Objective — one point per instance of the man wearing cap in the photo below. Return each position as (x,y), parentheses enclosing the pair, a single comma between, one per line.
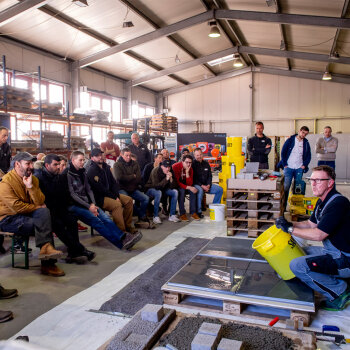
(85,208)
(202,179)
(23,211)
(106,192)
(162,183)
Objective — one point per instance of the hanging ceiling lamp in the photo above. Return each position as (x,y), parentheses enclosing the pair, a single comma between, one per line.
(237,61)
(214,30)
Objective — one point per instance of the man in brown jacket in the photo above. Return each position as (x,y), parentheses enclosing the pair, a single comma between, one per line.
(23,212)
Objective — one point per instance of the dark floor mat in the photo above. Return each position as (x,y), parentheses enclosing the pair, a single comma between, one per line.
(145,289)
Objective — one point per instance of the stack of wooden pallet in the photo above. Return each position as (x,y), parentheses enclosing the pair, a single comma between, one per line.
(50,109)
(75,142)
(164,123)
(253,209)
(50,139)
(18,100)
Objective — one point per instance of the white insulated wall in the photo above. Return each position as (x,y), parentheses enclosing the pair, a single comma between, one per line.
(277,101)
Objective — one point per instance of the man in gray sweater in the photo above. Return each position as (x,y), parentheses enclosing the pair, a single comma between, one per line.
(326,146)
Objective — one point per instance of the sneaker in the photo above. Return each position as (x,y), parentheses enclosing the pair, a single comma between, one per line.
(82,228)
(80,260)
(20,249)
(337,304)
(194,216)
(89,254)
(130,240)
(157,220)
(7,293)
(174,218)
(184,217)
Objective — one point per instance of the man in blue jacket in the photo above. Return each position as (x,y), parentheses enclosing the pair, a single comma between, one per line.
(296,156)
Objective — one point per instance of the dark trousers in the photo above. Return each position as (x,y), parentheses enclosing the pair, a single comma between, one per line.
(65,226)
(36,223)
(181,197)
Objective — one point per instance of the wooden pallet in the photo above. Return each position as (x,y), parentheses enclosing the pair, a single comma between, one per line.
(230,308)
(254,194)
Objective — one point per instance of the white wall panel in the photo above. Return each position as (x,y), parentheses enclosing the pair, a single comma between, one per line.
(144,96)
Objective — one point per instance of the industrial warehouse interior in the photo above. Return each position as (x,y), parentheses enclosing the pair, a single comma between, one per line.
(174,175)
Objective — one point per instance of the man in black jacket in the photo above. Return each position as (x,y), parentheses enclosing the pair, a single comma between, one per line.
(259,147)
(64,223)
(140,150)
(84,205)
(202,180)
(106,192)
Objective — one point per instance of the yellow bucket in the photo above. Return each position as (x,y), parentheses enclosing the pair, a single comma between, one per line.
(279,249)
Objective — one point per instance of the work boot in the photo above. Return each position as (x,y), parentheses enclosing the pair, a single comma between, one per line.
(47,251)
(130,240)
(5,316)
(52,270)
(184,217)
(194,216)
(7,293)
(337,304)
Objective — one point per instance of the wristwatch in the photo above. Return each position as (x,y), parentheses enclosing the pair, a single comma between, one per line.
(290,229)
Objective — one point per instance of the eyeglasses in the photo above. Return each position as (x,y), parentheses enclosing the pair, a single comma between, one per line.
(317,181)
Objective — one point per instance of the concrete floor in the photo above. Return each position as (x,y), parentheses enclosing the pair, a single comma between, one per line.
(39,293)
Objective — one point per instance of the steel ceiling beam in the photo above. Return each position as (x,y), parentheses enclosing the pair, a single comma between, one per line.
(283,18)
(102,38)
(16,10)
(242,50)
(219,77)
(283,32)
(171,38)
(158,33)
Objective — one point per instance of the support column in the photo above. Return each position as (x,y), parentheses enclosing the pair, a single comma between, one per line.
(160,103)
(128,87)
(252,118)
(75,87)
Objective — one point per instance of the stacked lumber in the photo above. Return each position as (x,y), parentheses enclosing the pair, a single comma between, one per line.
(18,100)
(50,139)
(164,123)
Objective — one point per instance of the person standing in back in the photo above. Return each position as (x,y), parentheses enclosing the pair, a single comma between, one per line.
(326,147)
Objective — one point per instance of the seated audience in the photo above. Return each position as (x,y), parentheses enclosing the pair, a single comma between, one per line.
(63,163)
(106,192)
(184,177)
(128,175)
(203,181)
(23,211)
(162,183)
(57,198)
(84,205)
(150,166)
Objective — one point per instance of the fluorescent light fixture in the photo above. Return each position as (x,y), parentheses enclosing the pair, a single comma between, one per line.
(81,3)
(327,76)
(214,30)
(221,60)
(237,61)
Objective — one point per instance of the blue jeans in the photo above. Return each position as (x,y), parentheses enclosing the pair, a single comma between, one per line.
(140,197)
(214,189)
(157,195)
(330,163)
(289,174)
(182,193)
(101,223)
(323,280)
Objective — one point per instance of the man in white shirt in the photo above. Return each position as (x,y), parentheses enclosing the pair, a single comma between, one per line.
(326,147)
(296,156)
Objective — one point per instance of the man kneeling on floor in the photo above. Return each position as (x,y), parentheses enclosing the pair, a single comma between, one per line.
(65,225)
(84,205)
(106,192)
(324,268)
(23,211)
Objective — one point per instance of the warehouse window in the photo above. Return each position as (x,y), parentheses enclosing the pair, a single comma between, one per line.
(35,88)
(2,79)
(21,83)
(116,110)
(95,103)
(56,93)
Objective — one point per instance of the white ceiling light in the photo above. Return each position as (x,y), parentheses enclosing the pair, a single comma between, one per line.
(237,61)
(127,24)
(327,76)
(214,30)
(221,60)
(81,3)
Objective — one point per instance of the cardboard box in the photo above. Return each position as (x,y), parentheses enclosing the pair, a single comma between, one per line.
(255,184)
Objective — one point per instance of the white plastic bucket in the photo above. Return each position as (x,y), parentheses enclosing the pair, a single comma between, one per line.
(217,212)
